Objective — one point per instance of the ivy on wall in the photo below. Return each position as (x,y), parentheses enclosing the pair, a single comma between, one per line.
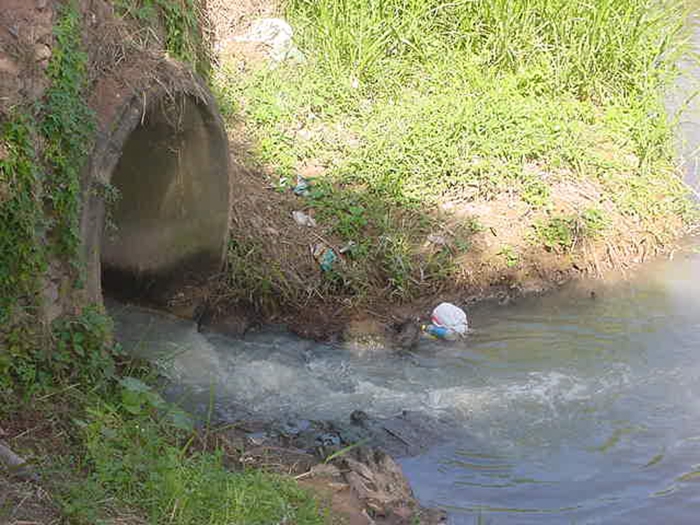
(22,251)
(67,127)
(43,148)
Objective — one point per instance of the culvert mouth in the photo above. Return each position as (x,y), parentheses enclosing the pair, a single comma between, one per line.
(165,231)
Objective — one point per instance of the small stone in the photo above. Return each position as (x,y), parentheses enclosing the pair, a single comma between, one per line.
(41,4)
(42,52)
(325,469)
(438,240)
(358,417)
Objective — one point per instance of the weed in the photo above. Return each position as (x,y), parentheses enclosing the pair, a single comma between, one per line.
(345,450)
(22,258)
(561,232)
(536,193)
(181,20)
(592,222)
(252,278)
(560,44)
(556,233)
(67,128)
(510,256)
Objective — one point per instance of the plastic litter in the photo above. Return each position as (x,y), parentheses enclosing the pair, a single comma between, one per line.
(328,259)
(436,239)
(277,35)
(448,322)
(302,219)
(325,256)
(441,332)
(302,189)
(348,247)
(328,440)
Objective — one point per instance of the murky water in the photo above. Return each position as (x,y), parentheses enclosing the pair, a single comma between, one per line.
(565,409)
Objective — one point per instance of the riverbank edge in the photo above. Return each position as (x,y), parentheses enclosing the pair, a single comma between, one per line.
(50,464)
(376,324)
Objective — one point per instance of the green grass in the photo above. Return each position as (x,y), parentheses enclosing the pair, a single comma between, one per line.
(562,232)
(110,449)
(184,37)
(410,103)
(144,463)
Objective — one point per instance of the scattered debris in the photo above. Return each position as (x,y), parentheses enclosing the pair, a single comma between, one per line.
(348,247)
(328,440)
(438,240)
(448,322)
(302,219)
(325,256)
(379,483)
(16,465)
(276,34)
(303,187)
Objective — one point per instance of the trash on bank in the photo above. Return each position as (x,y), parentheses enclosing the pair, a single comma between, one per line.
(448,322)
(302,219)
(441,332)
(277,35)
(303,187)
(325,256)
(348,247)
(437,240)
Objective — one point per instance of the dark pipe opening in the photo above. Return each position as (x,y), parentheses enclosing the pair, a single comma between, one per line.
(168,227)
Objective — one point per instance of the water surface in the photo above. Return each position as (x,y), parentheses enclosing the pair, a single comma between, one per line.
(564,409)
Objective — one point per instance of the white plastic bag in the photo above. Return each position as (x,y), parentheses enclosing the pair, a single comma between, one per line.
(451,317)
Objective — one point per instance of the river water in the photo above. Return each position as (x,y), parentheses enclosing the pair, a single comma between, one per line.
(562,409)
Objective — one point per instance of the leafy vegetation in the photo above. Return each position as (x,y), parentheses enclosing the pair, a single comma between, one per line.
(411,105)
(22,258)
(32,364)
(510,256)
(41,190)
(40,208)
(67,127)
(560,233)
(125,452)
(140,451)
